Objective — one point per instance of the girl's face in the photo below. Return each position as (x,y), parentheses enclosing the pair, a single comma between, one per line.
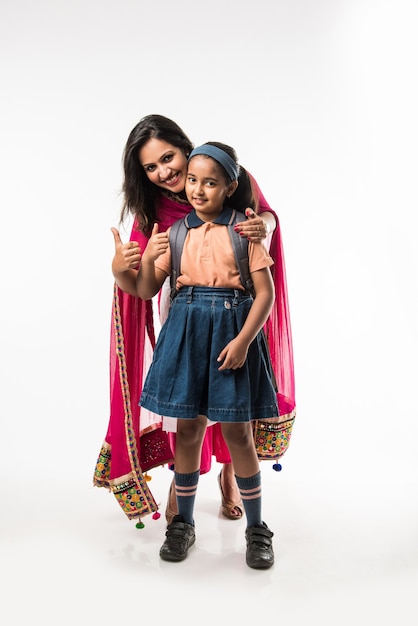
(206,187)
(164,164)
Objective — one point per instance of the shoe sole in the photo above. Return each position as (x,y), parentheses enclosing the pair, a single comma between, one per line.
(260,565)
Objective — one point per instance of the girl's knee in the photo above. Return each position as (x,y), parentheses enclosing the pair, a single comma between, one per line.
(191,431)
(239,434)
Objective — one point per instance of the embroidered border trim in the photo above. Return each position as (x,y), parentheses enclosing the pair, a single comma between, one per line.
(133,494)
(101,476)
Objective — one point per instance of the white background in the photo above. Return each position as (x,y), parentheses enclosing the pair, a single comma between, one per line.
(319,98)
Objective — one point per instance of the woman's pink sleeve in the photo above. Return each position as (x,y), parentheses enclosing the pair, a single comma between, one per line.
(263,205)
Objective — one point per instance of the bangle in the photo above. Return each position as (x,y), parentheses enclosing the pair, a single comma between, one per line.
(267,227)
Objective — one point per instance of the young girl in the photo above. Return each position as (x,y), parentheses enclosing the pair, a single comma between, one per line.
(209,361)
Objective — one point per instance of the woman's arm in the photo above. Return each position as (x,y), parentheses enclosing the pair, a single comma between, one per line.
(235,352)
(260,224)
(269,222)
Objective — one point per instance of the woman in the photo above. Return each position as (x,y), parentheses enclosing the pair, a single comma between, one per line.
(155,164)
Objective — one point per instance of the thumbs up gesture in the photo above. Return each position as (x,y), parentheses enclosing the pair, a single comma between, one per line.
(127,255)
(157,244)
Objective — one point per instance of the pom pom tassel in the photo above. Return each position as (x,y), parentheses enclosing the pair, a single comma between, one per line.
(140,525)
(277,467)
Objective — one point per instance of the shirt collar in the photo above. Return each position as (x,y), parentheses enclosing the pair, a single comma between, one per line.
(193,221)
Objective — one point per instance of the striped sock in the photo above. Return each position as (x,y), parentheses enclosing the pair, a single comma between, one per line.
(186,488)
(250,490)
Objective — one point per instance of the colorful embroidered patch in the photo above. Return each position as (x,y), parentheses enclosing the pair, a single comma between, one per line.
(133,497)
(272,438)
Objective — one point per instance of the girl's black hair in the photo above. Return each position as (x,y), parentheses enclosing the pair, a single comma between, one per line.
(140,195)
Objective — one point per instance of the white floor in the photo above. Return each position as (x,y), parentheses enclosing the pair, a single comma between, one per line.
(332,142)
(345,554)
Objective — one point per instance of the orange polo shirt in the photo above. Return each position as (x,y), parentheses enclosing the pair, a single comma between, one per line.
(208,257)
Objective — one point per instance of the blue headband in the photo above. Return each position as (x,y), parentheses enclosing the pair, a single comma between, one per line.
(220,156)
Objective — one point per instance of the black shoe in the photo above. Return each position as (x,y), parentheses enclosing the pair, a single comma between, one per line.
(260,553)
(180,536)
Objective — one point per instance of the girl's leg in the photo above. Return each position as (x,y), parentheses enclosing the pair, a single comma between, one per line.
(189,441)
(190,434)
(239,437)
(180,533)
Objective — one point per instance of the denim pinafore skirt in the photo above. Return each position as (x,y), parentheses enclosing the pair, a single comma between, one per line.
(183,380)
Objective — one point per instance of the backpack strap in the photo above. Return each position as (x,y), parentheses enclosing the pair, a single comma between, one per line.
(177,236)
(240,247)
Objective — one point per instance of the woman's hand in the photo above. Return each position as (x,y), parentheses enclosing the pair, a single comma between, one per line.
(127,255)
(125,263)
(255,228)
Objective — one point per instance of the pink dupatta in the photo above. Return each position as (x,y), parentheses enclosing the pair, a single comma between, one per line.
(135,444)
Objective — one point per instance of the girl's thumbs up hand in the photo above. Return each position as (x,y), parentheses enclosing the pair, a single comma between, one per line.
(157,244)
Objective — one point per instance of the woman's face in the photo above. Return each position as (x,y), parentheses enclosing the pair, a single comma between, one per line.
(164,164)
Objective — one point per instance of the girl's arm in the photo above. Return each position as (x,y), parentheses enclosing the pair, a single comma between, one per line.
(149,279)
(235,352)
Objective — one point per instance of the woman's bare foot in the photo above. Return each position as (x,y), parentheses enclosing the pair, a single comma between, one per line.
(171,508)
(232,507)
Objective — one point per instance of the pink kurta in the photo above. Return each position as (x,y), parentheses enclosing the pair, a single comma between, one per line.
(135,440)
